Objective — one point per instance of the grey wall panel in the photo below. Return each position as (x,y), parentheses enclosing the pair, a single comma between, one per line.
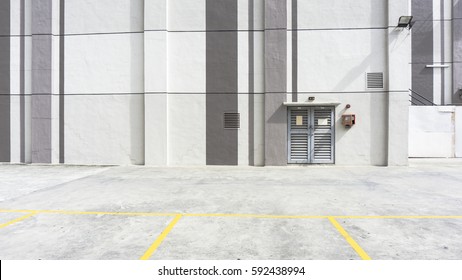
(5,99)
(294,50)
(41,81)
(221,81)
(457,53)
(275,82)
(22,82)
(62,25)
(41,16)
(422,47)
(251,84)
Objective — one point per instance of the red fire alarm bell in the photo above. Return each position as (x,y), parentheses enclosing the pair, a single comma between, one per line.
(348,120)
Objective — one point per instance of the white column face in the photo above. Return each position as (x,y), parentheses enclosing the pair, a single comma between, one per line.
(155,82)
(15,129)
(437,58)
(259,86)
(399,57)
(104,82)
(448,55)
(186,82)
(243,82)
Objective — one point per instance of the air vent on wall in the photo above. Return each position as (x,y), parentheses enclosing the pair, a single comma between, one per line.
(374,80)
(232,120)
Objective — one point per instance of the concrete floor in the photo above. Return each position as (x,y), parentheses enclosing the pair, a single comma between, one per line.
(93,212)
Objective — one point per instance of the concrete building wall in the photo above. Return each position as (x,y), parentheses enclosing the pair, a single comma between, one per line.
(149,81)
(435,131)
(104,82)
(5,97)
(458,131)
(358,32)
(436,52)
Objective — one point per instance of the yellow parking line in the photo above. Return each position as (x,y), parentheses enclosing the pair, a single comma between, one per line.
(261,216)
(349,239)
(398,217)
(161,238)
(17,220)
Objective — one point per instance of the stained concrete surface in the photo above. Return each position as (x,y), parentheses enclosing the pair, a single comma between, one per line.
(426,187)
(408,238)
(62,237)
(249,238)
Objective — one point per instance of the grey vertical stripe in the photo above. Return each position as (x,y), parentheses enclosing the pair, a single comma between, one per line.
(443,102)
(275,82)
(41,80)
(22,80)
(5,98)
(294,51)
(251,84)
(422,47)
(221,81)
(61,79)
(457,54)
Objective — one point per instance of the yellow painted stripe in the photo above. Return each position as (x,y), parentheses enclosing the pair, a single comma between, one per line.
(349,239)
(398,217)
(261,216)
(161,238)
(17,220)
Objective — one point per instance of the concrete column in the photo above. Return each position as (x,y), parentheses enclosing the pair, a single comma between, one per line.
(155,82)
(275,82)
(399,73)
(42,81)
(5,91)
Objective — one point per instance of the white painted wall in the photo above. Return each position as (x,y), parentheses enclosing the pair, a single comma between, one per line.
(140,97)
(337,47)
(15,81)
(458,130)
(337,61)
(155,82)
(432,131)
(365,143)
(243,82)
(399,80)
(104,103)
(334,55)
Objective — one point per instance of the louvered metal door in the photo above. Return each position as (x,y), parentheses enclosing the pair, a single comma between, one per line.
(323,135)
(311,135)
(299,135)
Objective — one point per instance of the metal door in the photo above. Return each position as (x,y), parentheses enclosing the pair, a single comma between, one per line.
(311,135)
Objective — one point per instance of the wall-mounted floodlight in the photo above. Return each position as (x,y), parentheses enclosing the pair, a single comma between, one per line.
(405,21)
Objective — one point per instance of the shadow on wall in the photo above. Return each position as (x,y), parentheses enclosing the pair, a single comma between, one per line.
(376,101)
(360,69)
(422,47)
(457,51)
(340,130)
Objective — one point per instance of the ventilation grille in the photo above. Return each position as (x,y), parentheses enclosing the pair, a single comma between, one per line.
(232,120)
(299,147)
(322,146)
(374,80)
